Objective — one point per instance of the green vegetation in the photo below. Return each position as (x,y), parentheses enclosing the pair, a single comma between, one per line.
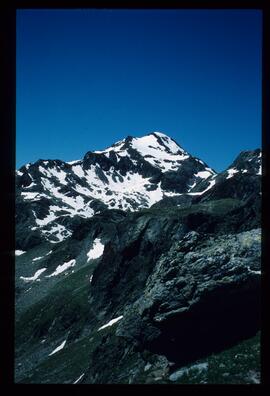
(237,365)
(217,207)
(66,305)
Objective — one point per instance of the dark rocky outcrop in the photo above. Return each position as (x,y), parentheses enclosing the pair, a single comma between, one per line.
(201,292)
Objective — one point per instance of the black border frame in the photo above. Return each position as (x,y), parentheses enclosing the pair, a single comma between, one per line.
(7,158)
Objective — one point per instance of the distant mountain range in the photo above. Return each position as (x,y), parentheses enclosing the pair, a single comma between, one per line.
(134,261)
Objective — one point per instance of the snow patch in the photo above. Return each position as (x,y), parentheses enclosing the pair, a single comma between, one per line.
(44,171)
(96,251)
(77,169)
(29,195)
(231,172)
(77,380)
(61,346)
(60,175)
(59,231)
(254,272)
(37,258)
(191,186)
(111,322)
(46,220)
(31,185)
(203,174)
(171,194)
(62,268)
(211,184)
(73,162)
(19,252)
(34,277)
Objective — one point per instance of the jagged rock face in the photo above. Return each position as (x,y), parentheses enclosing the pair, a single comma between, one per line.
(240,180)
(199,291)
(132,174)
(106,295)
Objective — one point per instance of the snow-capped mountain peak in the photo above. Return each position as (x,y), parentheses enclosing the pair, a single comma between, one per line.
(133,173)
(156,148)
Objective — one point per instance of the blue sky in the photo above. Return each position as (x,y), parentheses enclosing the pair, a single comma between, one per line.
(87,78)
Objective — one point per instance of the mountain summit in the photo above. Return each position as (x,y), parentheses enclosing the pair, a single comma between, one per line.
(132,174)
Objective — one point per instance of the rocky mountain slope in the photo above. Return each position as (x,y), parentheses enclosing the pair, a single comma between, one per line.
(134,262)
(132,174)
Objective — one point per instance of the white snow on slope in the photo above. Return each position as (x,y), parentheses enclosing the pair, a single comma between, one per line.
(57,230)
(31,185)
(46,220)
(171,194)
(19,252)
(164,158)
(73,162)
(34,277)
(62,268)
(126,192)
(61,346)
(211,184)
(111,322)
(203,174)
(157,155)
(29,195)
(77,380)
(191,186)
(53,209)
(44,171)
(123,188)
(37,258)
(231,172)
(116,147)
(254,272)
(56,172)
(78,170)
(96,251)
(60,175)
(73,205)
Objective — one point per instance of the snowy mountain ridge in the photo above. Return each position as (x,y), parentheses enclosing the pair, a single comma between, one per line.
(132,174)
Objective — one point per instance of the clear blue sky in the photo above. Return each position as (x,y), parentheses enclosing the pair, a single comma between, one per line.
(87,78)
